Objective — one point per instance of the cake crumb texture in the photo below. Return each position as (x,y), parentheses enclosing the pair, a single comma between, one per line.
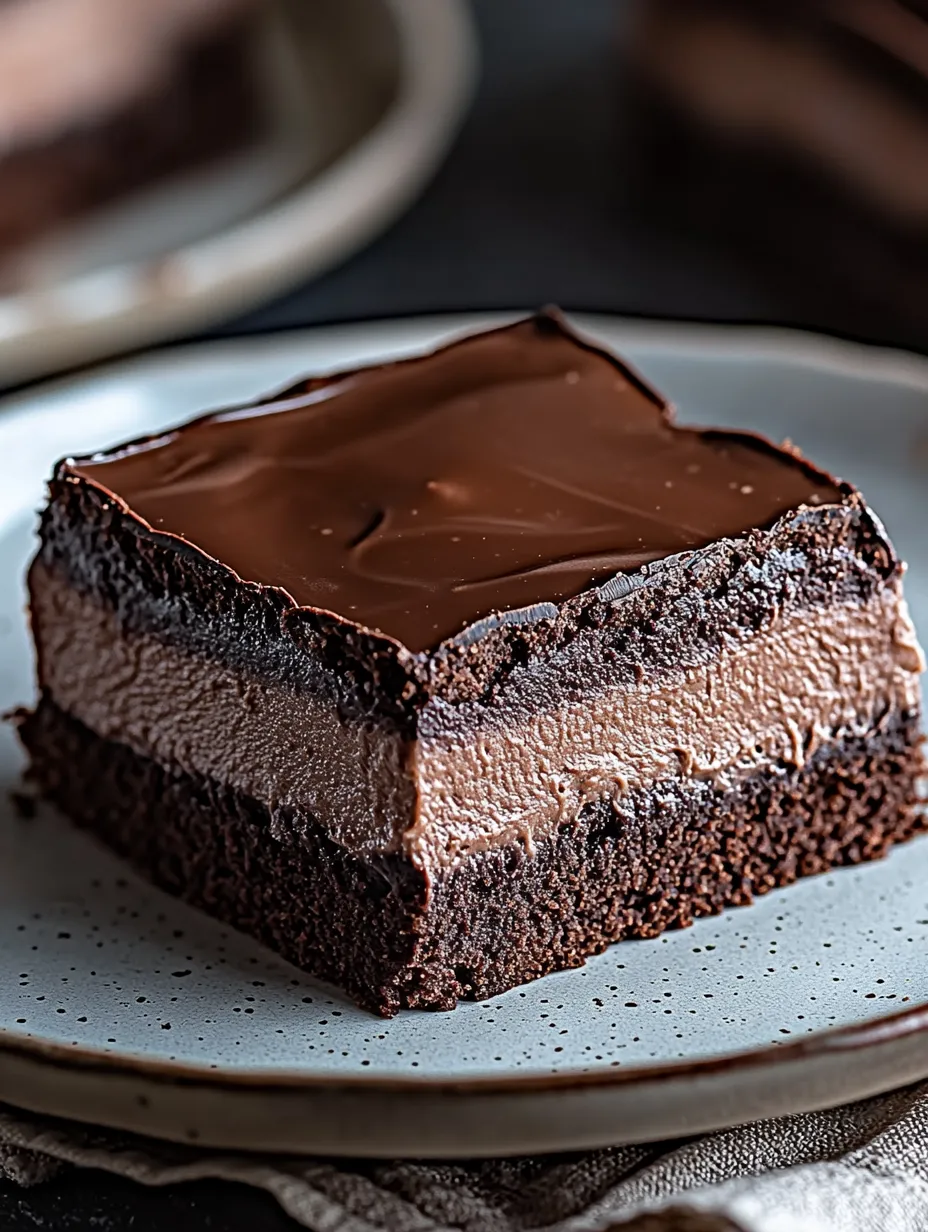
(380,930)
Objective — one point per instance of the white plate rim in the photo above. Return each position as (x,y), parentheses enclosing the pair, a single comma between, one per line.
(747,342)
(873,1033)
(474,1119)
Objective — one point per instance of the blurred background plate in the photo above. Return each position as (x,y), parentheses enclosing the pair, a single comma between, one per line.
(366,96)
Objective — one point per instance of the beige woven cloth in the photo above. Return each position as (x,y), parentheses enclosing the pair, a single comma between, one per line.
(863,1167)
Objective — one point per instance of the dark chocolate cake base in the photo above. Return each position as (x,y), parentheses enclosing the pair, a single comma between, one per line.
(658,860)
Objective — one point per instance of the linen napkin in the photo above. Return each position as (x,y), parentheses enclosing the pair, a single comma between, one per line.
(862,1168)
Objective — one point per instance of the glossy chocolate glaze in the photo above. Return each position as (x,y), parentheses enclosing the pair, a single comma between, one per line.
(514,467)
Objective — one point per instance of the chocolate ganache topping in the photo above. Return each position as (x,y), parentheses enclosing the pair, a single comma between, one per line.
(510,468)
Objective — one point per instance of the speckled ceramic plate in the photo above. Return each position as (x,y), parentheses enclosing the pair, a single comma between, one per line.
(120,1006)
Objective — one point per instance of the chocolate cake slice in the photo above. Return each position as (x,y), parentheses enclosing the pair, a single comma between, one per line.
(442,675)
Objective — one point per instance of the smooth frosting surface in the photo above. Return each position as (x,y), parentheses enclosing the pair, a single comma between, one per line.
(512,468)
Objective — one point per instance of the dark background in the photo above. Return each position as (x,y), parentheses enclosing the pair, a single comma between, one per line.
(567,186)
(530,207)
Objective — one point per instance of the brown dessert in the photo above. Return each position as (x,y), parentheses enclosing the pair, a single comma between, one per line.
(444,674)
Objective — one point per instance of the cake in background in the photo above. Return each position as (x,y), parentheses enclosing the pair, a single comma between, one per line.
(99,98)
(795,135)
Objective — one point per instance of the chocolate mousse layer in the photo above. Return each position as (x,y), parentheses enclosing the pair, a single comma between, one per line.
(483,637)
(479,775)
(392,939)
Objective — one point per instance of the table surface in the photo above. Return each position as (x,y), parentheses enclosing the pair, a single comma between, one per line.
(532,206)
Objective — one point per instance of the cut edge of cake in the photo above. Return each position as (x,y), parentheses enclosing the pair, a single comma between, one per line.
(401,862)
